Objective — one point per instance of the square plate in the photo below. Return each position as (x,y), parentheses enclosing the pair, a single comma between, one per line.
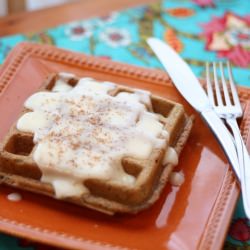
(195,215)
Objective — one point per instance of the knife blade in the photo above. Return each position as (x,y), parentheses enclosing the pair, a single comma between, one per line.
(190,88)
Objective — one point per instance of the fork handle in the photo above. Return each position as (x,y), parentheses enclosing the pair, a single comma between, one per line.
(223,136)
(244,163)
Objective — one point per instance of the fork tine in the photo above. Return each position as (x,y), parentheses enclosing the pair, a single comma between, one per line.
(209,85)
(224,85)
(216,84)
(232,85)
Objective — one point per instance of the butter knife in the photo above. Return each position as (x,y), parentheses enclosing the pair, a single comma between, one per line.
(190,88)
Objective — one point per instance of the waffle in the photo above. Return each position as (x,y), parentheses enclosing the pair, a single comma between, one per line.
(145,177)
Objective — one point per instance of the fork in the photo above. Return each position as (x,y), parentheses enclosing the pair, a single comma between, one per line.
(227,106)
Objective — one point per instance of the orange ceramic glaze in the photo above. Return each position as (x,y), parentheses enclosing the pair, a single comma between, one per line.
(195,215)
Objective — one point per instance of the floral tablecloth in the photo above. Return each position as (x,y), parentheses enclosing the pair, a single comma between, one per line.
(200,30)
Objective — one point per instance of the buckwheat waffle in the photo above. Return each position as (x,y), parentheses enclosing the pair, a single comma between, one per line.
(18,168)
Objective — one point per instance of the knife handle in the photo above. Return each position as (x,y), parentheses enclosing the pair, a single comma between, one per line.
(224,137)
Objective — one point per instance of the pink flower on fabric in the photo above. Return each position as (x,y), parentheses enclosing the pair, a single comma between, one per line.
(240,230)
(107,19)
(237,55)
(216,24)
(204,3)
(229,36)
(115,37)
(77,31)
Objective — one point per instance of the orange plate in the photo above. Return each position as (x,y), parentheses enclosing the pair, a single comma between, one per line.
(193,216)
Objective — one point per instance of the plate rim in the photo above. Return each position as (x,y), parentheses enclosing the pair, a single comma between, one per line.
(229,190)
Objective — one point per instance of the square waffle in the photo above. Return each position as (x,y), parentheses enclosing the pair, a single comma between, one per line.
(143,177)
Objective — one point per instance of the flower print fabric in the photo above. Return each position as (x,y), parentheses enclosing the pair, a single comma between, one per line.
(240,230)
(78,31)
(229,36)
(115,37)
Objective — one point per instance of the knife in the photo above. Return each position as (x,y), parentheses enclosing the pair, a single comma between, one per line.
(190,88)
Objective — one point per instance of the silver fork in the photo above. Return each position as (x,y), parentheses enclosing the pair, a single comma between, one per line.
(228,107)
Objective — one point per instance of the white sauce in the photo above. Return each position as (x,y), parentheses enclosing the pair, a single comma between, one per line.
(176,178)
(82,132)
(14,197)
(170,157)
